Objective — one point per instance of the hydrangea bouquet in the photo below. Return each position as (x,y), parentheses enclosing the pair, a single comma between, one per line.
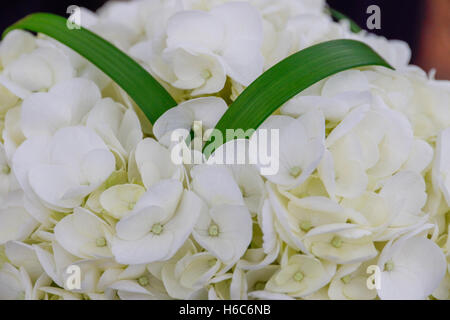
(93,204)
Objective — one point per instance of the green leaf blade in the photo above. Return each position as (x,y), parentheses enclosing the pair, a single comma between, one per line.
(146,92)
(289,77)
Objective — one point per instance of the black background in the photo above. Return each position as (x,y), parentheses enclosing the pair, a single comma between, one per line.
(400,19)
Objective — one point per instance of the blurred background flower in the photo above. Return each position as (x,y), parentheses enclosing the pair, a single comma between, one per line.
(425,25)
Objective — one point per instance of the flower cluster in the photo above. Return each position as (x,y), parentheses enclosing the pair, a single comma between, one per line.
(87,182)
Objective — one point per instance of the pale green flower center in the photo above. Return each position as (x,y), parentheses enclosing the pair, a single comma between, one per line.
(213,230)
(100,242)
(206,74)
(389,266)
(143,281)
(299,276)
(346,279)
(336,242)
(157,228)
(295,171)
(6,169)
(305,225)
(260,285)
(131,205)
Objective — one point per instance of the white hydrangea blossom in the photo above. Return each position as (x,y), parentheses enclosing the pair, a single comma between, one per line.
(364,177)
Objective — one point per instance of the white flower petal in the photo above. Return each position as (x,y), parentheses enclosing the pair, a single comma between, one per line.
(43,113)
(78,232)
(197,28)
(15,224)
(216,185)
(120,199)
(420,157)
(141,245)
(350,80)
(14,44)
(154,162)
(81,94)
(234,231)
(406,195)
(172,119)
(23,255)
(418,267)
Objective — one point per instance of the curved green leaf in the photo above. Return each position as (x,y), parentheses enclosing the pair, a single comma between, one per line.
(289,77)
(148,94)
(340,16)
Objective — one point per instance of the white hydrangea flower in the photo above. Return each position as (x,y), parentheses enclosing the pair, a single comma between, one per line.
(308,29)
(62,169)
(36,70)
(208,110)
(282,28)
(335,96)
(224,226)
(367,144)
(120,199)
(300,275)
(405,194)
(396,52)
(409,92)
(125,14)
(23,255)
(257,279)
(141,285)
(84,235)
(342,243)
(251,185)
(65,104)
(160,282)
(350,283)
(55,262)
(118,126)
(265,247)
(412,268)
(295,137)
(16,43)
(363,165)
(154,163)
(395,207)
(204,47)
(15,284)
(295,217)
(159,224)
(187,276)
(16,223)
